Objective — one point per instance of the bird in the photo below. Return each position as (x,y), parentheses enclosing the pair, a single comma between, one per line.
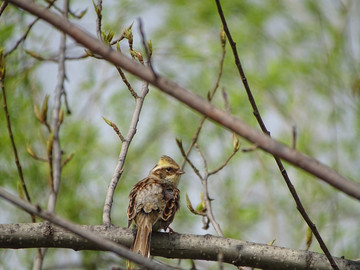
(153,202)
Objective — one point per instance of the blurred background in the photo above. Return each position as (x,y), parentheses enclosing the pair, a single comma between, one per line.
(301,59)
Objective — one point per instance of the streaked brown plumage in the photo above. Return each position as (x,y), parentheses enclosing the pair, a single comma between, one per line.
(154,202)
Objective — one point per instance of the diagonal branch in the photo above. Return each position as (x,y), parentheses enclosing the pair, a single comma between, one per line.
(3,6)
(261,123)
(11,135)
(210,96)
(195,102)
(24,36)
(124,149)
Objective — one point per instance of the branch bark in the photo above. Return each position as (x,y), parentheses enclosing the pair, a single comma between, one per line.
(182,246)
(75,229)
(195,102)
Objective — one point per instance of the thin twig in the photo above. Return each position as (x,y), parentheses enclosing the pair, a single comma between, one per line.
(118,39)
(13,144)
(55,59)
(122,36)
(225,162)
(54,150)
(115,128)
(192,210)
(242,74)
(257,115)
(127,83)
(67,160)
(24,36)
(124,149)
(55,127)
(204,182)
(294,136)
(3,6)
(186,158)
(98,9)
(226,99)
(147,52)
(66,101)
(71,13)
(210,97)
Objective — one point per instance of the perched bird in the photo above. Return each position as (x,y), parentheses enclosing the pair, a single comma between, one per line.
(154,202)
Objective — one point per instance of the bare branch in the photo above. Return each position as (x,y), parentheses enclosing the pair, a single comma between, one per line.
(9,128)
(98,10)
(186,158)
(54,151)
(228,121)
(182,246)
(122,36)
(210,96)
(294,137)
(147,52)
(55,124)
(124,149)
(99,241)
(222,166)
(115,128)
(127,83)
(261,123)
(226,100)
(67,106)
(204,182)
(3,6)
(192,210)
(72,13)
(24,36)
(54,58)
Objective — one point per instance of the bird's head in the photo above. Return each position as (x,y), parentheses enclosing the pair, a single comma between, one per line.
(167,170)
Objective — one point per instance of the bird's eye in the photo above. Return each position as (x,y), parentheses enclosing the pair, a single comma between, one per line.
(169,169)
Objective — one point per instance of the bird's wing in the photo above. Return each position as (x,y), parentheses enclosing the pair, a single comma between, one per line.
(146,196)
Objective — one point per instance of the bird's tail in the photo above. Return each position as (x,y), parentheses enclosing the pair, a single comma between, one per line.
(142,241)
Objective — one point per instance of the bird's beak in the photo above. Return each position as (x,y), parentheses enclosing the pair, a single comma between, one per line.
(179,172)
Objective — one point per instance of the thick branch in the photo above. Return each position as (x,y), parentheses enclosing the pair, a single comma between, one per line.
(193,101)
(184,246)
(75,229)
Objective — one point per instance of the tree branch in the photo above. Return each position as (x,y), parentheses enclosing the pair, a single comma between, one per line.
(11,135)
(262,125)
(55,152)
(124,149)
(197,103)
(184,246)
(87,236)
(55,125)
